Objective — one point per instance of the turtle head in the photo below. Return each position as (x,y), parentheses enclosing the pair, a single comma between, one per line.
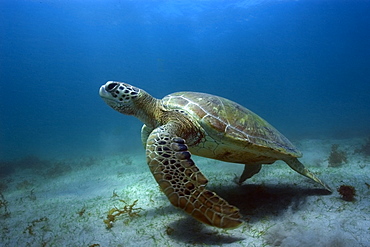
(120,96)
(130,100)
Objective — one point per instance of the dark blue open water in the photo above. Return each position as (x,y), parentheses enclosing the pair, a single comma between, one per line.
(302,65)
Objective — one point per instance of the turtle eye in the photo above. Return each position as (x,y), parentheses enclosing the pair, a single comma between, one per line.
(111,86)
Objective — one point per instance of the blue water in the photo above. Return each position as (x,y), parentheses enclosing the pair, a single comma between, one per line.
(302,65)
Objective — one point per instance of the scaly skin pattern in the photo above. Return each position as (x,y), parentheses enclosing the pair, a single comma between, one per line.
(182,182)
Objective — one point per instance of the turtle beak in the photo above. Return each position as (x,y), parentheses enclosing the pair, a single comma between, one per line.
(102,92)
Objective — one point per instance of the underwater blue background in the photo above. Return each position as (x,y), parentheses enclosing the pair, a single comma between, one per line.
(304,66)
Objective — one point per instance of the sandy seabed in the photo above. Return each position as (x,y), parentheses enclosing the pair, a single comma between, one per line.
(66,203)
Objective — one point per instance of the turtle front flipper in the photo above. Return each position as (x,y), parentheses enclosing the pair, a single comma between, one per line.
(182,182)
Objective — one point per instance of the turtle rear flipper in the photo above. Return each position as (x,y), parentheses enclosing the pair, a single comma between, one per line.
(249,171)
(170,162)
(297,166)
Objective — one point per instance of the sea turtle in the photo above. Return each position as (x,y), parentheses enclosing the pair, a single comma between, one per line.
(206,125)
